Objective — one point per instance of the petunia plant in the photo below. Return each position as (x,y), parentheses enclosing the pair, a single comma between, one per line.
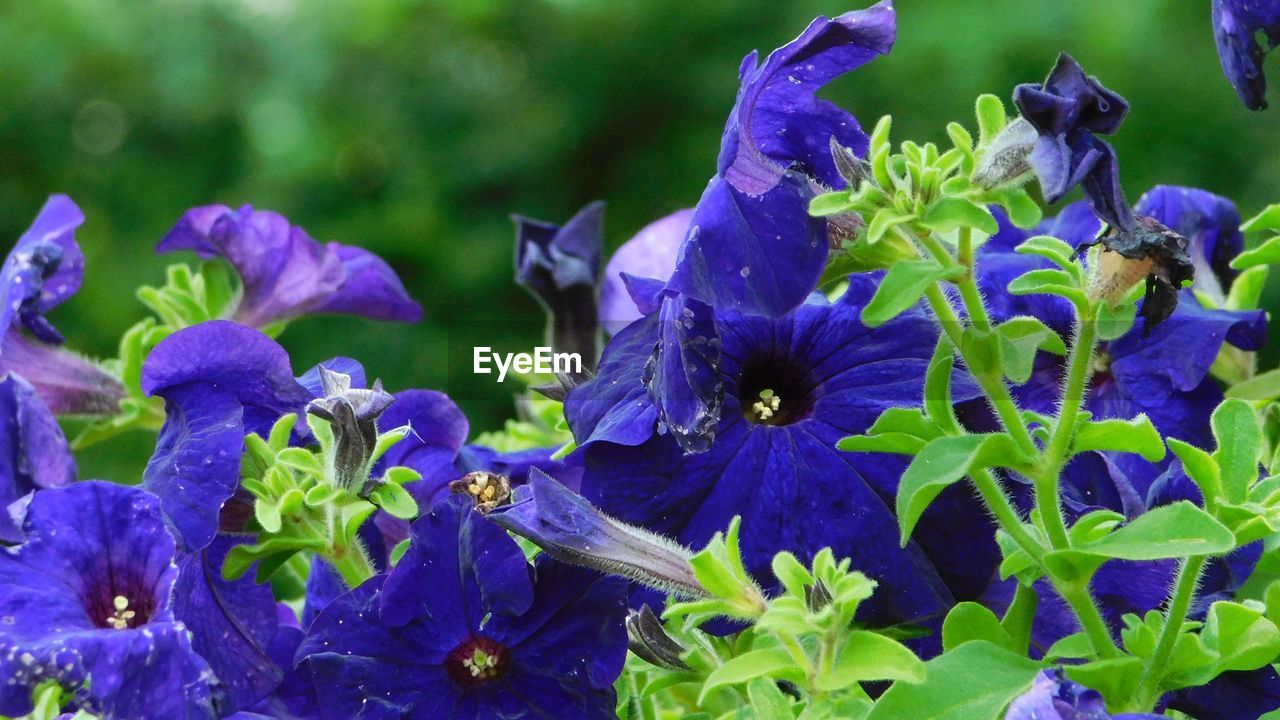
(872,430)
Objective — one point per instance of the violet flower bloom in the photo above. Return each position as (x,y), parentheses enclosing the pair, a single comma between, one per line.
(651,254)
(464,628)
(43,270)
(752,246)
(1068,110)
(220,381)
(33,453)
(1053,697)
(560,266)
(792,387)
(86,601)
(284,273)
(1237,25)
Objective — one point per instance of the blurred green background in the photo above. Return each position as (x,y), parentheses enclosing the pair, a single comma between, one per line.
(416,128)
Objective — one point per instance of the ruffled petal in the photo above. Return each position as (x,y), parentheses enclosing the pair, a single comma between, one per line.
(35,453)
(650,256)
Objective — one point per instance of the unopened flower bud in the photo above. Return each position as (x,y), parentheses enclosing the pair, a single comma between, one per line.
(1006,160)
(817,596)
(353,413)
(852,168)
(650,641)
(570,529)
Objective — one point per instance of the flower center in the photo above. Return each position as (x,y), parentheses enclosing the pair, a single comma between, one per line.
(121,611)
(775,390)
(477,661)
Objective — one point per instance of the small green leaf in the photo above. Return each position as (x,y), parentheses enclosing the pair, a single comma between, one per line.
(1117,679)
(1074,647)
(1047,281)
(883,221)
(793,575)
(765,662)
(896,443)
(1020,339)
(943,462)
(909,421)
(832,203)
(1263,387)
(1052,249)
(1115,320)
(989,111)
(767,701)
(1170,531)
(970,621)
(901,288)
(948,213)
(1268,253)
(1243,638)
(1268,219)
(267,512)
(396,500)
(1239,436)
(981,349)
(1201,467)
(1136,436)
(973,682)
(1023,211)
(1246,289)
(937,387)
(870,656)
(321,495)
(241,557)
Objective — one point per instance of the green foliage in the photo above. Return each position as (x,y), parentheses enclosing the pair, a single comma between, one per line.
(975,681)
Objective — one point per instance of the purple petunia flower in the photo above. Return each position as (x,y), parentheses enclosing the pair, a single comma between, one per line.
(1238,26)
(220,380)
(284,273)
(791,388)
(33,453)
(43,270)
(464,628)
(651,254)
(1053,697)
(87,601)
(1069,110)
(752,246)
(560,266)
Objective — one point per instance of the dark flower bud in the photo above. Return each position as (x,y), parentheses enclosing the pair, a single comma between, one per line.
(1007,158)
(488,490)
(1150,251)
(817,596)
(353,413)
(565,382)
(853,169)
(650,641)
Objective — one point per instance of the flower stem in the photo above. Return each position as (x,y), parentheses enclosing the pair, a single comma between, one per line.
(1091,620)
(347,556)
(1184,590)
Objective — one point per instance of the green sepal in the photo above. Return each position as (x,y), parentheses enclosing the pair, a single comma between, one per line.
(395,500)
(990,113)
(1047,281)
(1202,468)
(1115,320)
(949,213)
(1054,250)
(1136,436)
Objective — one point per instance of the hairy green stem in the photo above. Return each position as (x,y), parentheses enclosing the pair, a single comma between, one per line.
(1184,591)
(1006,516)
(349,559)
(1091,620)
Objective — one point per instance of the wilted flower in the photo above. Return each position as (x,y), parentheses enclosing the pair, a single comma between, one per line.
(650,641)
(464,628)
(488,490)
(284,273)
(1068,111)
(1008,157)
(569,529)
(1151,251)
(87,601)
(1238,26)
(561,267)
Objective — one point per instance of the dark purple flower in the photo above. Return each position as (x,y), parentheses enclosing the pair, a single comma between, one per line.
(682,374)
(33,452)
(464,628)
(284,273)
(1068,110)
(234,625)
(1238,27)
(1053,697)
(792,387)
(220,380)
(651,254)
(1241,695)
(560,266)
(86,601)
(45,268)
(752,246)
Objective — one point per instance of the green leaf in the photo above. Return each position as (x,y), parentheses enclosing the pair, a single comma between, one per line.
(1263,387)
(871,656)
(1020,338)
(1046,281)
(937,387)
(948,213)
(941,463)
(1052,249)
(241,557)
(1268,219)
(973,682)
(1239,436)
(1117,679)
(1246,289)
(1268,253)
(267,512)
(1115,320)
(901,288)
(767,701)
(883,221)
(1171,531)
(969,621)
(896,443)
(1201,467)
(395,499)
(989,111)
(909,421)
(1241,635)
(981,349)
(1074,646)
(1137,436)
(1022,210)
(766,662)
(832,203)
